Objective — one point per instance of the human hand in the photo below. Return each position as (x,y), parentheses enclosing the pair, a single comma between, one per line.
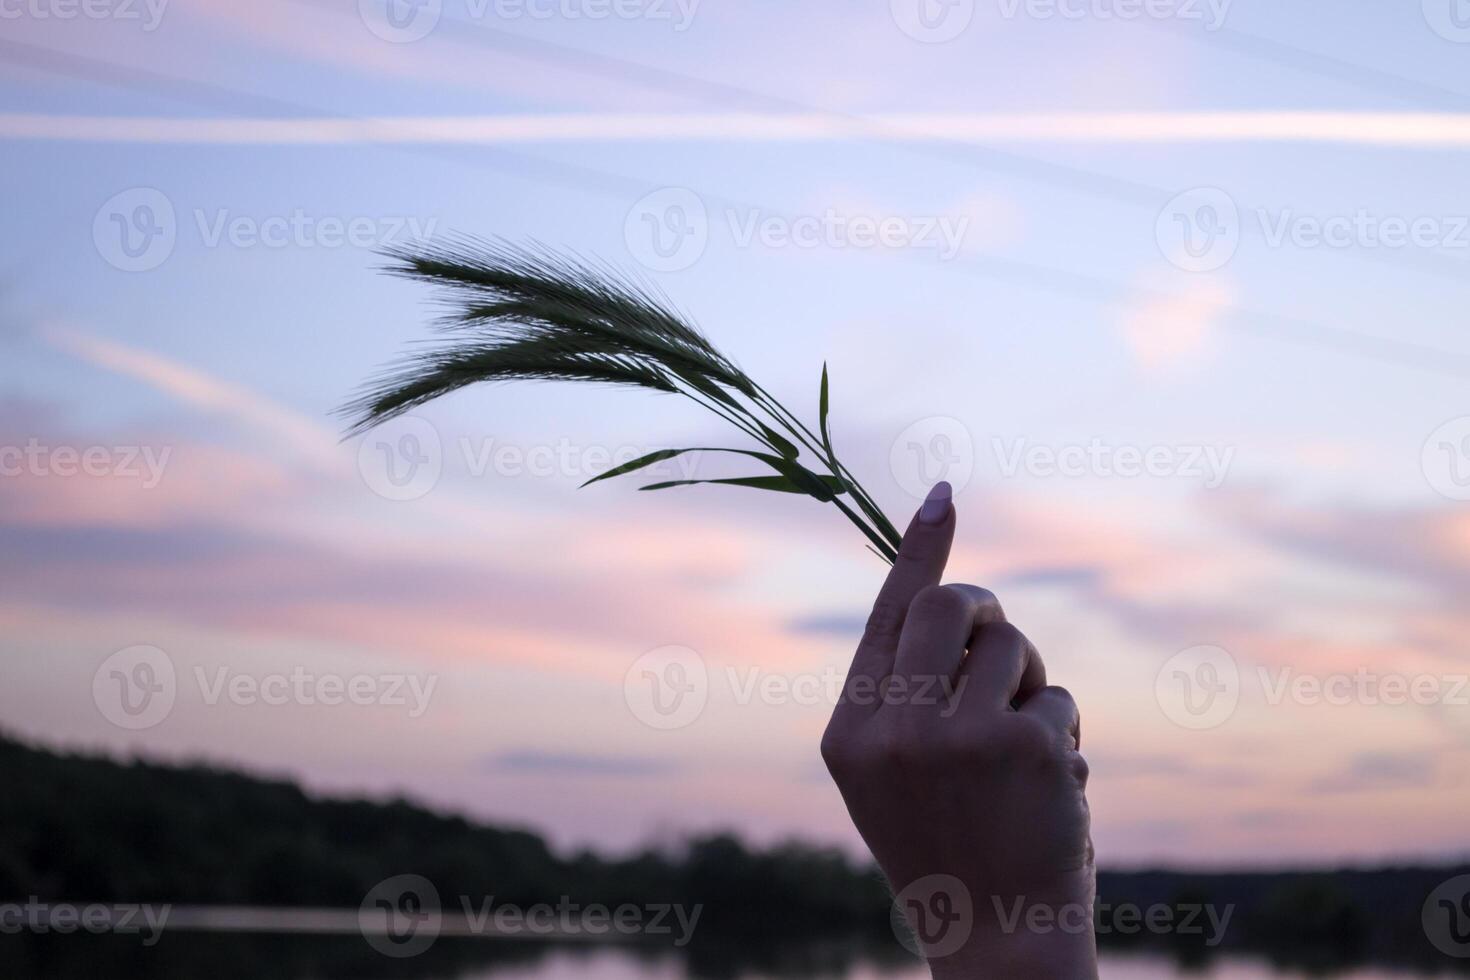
(962,774)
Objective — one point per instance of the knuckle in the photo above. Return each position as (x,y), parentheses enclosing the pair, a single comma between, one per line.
(982,597)
(1031,740)
(990,753)
(957,743)
(1006,633)
(895,748)
(937,601)
(886,619)
(1058,693)
(836,751)
(917,556)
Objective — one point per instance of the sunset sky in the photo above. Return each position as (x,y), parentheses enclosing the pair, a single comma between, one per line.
(1227,238)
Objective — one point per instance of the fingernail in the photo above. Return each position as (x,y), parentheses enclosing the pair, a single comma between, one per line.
(936,506)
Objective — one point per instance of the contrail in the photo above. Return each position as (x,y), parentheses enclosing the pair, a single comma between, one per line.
(1398,129)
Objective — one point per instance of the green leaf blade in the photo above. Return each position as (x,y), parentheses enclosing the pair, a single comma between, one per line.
(779,442)
(822,406)
(637,464)
(777,483)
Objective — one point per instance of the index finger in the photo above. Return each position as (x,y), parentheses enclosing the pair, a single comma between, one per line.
(920,562)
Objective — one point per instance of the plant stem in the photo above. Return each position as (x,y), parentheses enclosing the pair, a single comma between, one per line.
(860,495)
(885,550)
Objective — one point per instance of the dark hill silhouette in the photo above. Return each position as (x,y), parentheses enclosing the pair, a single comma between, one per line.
(88,828)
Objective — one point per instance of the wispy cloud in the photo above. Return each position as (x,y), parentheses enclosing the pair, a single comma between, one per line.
(563,763)
(1370,772)
(198,389)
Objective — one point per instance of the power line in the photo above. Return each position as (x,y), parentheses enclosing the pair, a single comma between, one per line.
(540,169)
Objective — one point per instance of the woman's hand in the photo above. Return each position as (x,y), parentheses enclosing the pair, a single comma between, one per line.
(961,771)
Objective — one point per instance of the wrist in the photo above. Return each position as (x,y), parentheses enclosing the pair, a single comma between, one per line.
(1021,939)
(1030,957)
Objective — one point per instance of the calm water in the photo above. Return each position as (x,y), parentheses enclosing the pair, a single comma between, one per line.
(615,965)
(228,957)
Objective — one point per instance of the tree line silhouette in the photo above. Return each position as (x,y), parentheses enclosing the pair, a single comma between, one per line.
(85,827)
